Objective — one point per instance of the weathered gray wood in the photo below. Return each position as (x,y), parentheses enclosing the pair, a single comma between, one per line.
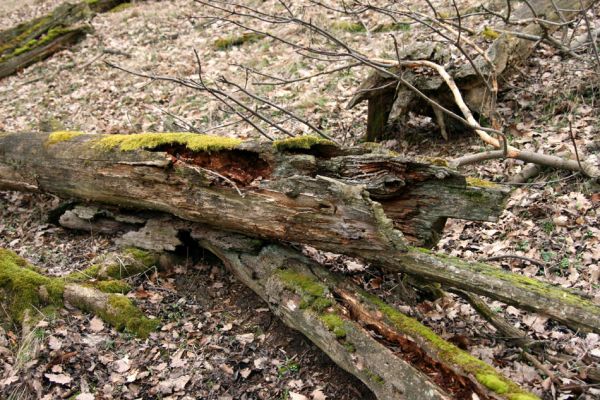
(321,198)
(302,193)
(34,40)
(304,294)
(506,54)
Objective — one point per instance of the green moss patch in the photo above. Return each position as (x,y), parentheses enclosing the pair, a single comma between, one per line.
(489,33)
(124,315)
(446,351)
(231,41)
(314,297)
(471,181)
(305,142)
(113,286)
(393,27)
(62,136)
(334,323)
(121,7)
(194,142)
(26,288)
(349,26)
(33,43)
(313,293)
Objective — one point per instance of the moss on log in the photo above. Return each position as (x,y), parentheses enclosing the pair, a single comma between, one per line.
(333,313)
(363,202)
(27,292)
(35,40)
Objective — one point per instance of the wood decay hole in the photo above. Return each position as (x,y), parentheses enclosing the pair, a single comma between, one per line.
(241,167)
(402,346)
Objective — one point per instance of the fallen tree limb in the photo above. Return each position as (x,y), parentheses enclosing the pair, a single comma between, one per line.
(28,295)
(335,314)
(32,41)
(318,194)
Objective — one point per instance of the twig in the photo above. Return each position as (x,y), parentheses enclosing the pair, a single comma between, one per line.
(530,260)
(199,170)
(508,331)
(530,171)
(574,143)
(590,34)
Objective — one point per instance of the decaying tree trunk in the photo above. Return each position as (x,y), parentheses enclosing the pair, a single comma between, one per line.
(27,295)
(303,191)
(387,99)
(330,310)
(39,38)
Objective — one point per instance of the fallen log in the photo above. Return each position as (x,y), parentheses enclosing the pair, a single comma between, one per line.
(329,309)
(303,190)
(511,48)
(27,295)
(35,40)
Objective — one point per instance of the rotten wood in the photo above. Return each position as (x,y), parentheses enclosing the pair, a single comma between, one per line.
(419,364)
(503,58)
(323,197)
(39,38)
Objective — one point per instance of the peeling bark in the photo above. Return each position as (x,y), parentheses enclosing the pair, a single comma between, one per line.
(322,197)
(506,54)
(338,317)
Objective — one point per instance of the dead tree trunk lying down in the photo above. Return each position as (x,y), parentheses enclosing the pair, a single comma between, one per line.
(34,40)
(509,51)
(330,310)
(301,190)
(27,295)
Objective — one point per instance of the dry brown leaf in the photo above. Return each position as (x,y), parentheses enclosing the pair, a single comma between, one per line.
(61,379)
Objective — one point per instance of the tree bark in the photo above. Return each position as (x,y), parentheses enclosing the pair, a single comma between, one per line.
(322,196)
(506,54)
(330,310)
(35,40)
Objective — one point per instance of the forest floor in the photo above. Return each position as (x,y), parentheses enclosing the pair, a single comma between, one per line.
(218,340)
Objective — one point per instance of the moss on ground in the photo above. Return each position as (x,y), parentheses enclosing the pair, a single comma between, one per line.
(448,352)
(392,27)
(62,136)
(193,141)
(305,142)
(237,40)
(349,26)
